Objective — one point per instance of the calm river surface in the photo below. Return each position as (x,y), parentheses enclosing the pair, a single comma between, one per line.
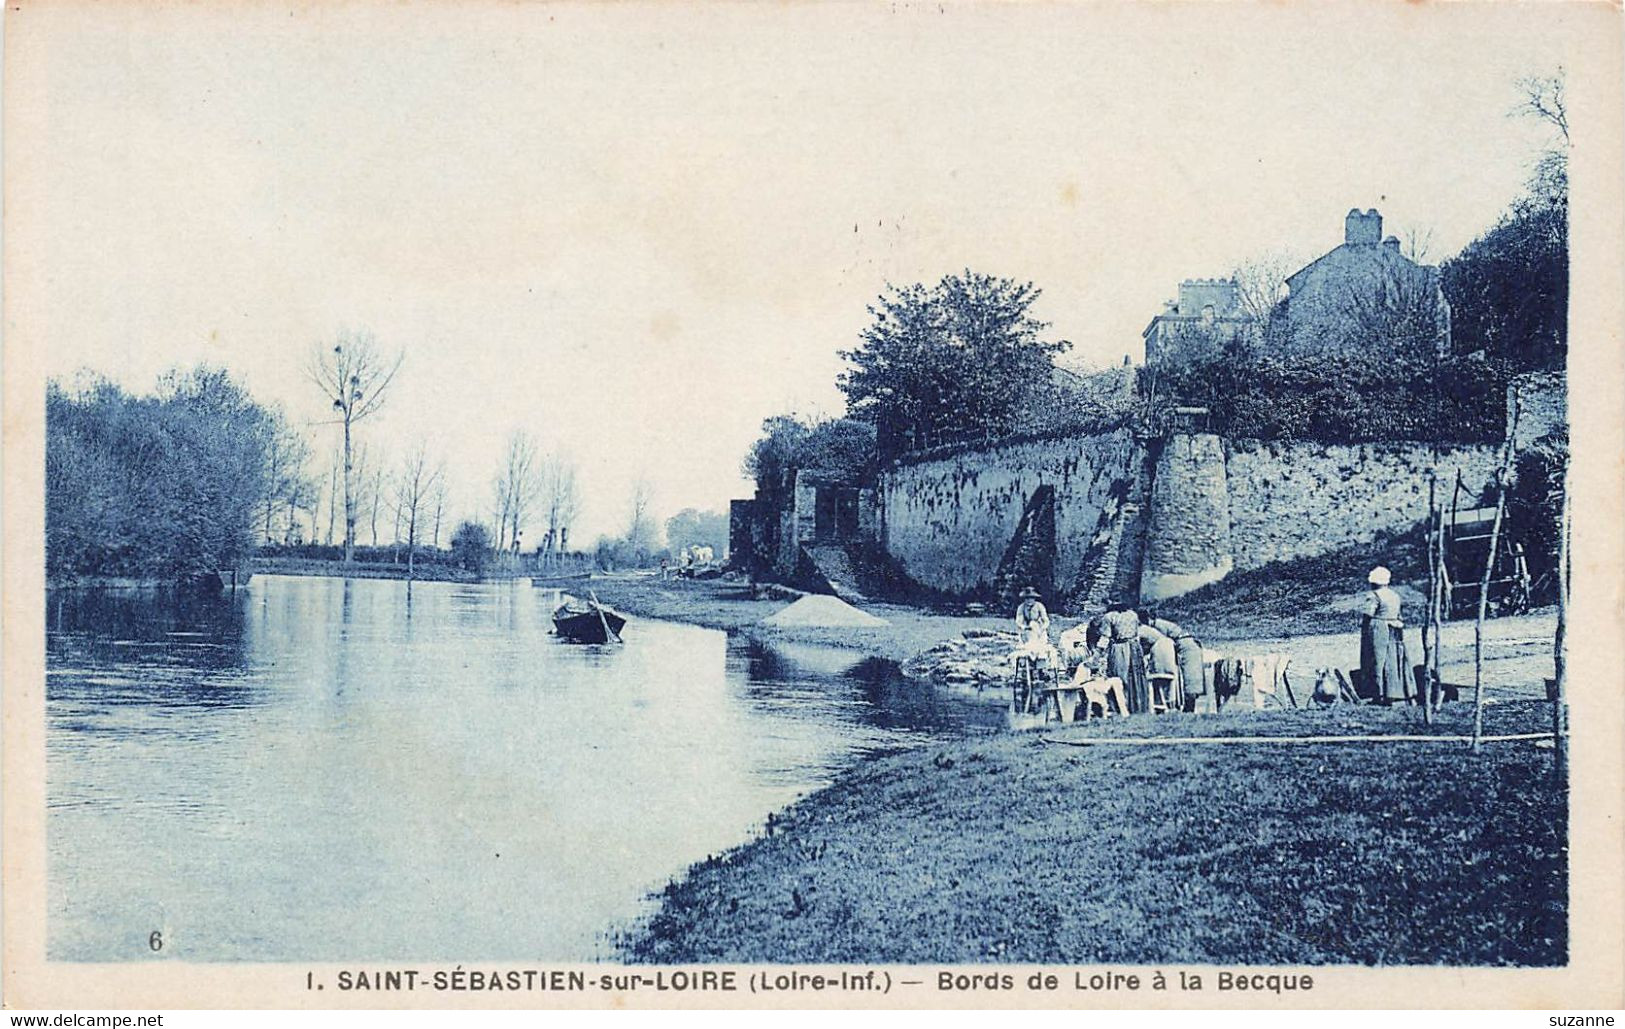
(317,769)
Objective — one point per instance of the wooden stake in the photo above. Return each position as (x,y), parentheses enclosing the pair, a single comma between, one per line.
(1428,646)
(1560,748)
(1489,567)
(1440,612)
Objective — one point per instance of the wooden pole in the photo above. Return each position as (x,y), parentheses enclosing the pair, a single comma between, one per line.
(1441,609)
(1430,645)
(1560,747)
(609,634)
(1489,567)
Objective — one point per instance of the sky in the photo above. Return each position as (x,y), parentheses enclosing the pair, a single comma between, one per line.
(635,232)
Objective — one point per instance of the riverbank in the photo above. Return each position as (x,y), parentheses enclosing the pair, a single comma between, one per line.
(359,570)
(730,605)
(1022,848)
(1517,649)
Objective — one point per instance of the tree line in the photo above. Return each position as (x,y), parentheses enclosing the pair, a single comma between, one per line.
(198,476)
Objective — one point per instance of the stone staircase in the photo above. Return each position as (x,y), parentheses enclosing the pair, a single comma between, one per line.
(835,564)
(1030,558)
(1116,573)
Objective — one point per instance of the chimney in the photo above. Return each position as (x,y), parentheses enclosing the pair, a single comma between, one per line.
(1363,228)
(1392,243)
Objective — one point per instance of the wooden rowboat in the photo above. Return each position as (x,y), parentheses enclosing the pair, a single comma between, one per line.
(587,622)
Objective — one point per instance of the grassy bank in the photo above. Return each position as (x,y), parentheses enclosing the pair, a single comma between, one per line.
(1024,849)
(359,569)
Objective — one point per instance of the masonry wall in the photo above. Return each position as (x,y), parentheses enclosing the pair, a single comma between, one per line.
(1188,537)
(1291,500)
(948,521)
(1542,406)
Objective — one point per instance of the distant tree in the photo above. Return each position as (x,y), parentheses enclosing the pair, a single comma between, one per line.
(641,528)
(375,499)
(515,487)
(1396,316)
(355,376)
(471,547)
(959,360)
(333,489)
(561,500)
(692,527)
(439,507)
(286,482)
(415,483)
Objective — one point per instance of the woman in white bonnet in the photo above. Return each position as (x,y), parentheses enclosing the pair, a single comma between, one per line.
(1384,669)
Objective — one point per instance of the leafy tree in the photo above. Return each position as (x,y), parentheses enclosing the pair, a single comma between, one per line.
(1509,288)
(165,486)
(471,547)
(841,446)
(964,359)
(692,527)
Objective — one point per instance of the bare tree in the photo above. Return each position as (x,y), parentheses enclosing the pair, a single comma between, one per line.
(640,531)
(1401,308)
(516,487)
(355,376)
(286,454)
(1542,98)
(1261,282)
(1418,242)
(375,494)
(439,508)
(332,495)
(500,505)
(361,474)
(561,501)
(305,496)
(419,480)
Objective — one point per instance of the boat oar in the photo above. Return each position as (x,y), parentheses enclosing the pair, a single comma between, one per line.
(609,634)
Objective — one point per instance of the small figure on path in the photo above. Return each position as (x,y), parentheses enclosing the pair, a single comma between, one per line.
(1384,669)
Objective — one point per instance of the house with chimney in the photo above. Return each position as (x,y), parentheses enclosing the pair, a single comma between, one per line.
(1366,294)
(1363,296)
(1206,309)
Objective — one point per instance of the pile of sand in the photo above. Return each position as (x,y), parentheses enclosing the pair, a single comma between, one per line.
(819,610)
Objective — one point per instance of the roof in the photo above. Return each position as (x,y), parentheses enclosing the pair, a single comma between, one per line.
(1383,251)
(1223,319)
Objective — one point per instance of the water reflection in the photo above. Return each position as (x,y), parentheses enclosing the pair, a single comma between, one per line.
(318,769)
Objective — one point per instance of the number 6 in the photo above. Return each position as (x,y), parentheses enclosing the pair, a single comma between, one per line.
(156,940)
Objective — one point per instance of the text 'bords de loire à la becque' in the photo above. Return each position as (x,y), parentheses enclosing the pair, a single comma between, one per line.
(1223,981)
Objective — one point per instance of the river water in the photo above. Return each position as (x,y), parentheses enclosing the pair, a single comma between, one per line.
(320,769)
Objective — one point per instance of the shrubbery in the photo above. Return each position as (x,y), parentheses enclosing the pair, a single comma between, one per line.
(1334,398)
(164,486)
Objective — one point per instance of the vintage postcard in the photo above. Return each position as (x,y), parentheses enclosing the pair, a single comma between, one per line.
(839,505)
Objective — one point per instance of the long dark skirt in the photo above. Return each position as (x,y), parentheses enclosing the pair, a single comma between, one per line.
(1384,668)
(1192,679)
(1126,660)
